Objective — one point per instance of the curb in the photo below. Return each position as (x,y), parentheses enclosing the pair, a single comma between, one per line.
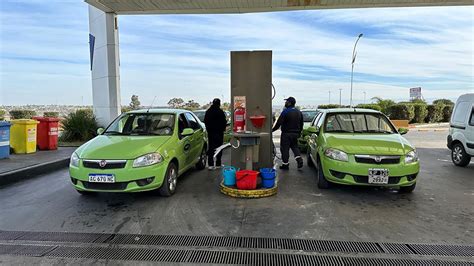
(32,171)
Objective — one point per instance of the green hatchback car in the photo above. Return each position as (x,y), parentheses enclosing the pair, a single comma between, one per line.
(360,147)
(140,151)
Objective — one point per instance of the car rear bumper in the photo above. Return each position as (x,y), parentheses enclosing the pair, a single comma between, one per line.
(353,173)
(127,179)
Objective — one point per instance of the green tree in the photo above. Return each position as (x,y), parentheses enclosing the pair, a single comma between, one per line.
(443,101)
(191,105)
(176,103)
(226,106)
(384,104)
(135,103)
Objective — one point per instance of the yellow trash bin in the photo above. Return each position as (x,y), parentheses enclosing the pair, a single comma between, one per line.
(23,135)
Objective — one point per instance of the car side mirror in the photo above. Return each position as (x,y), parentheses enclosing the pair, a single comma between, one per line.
(100,130)
(403,130)
(187,132)
(313,130)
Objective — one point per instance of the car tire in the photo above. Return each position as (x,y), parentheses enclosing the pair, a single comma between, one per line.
(321,179)
(308,158)
(459,155)
(170,181)
(407,189)
(202,160)
(85,193)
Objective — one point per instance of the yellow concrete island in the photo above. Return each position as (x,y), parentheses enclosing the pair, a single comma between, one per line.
(254,193)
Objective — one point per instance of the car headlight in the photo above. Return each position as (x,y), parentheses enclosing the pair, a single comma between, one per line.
(336,155)
(148,159)
(411,157)
(74,161)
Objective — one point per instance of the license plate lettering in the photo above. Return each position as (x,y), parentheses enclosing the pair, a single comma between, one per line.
(102,178)
(378,176)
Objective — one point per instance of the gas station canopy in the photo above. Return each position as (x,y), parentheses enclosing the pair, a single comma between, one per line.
(244,6)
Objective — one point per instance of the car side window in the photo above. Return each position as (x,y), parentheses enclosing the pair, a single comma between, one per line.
(182,124)
(316,119)
(193,123)
(460,113)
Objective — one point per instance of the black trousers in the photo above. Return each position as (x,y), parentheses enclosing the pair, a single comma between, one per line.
(216,139)
(289,141)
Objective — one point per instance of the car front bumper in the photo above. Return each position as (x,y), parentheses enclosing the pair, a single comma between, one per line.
(354,173)
(127,179)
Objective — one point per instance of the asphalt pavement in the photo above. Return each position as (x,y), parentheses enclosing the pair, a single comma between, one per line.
(440,210)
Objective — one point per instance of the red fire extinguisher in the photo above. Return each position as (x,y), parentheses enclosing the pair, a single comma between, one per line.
(239,119)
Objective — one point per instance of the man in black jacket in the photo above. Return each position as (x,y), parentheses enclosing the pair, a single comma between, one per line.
(216,122)
(291,123)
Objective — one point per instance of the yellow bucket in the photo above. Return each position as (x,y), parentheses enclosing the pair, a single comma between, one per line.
(23,135)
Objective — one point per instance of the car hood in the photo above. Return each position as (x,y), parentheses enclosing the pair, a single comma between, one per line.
(120,147)
(371,144)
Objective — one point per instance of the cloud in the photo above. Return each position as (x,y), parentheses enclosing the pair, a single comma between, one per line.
(188,55)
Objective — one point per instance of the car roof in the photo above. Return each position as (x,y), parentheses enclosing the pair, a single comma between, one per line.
(469,97)
(349,110)
(309,110)
(159,111)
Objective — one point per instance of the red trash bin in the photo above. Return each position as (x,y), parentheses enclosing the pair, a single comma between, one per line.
(47,133)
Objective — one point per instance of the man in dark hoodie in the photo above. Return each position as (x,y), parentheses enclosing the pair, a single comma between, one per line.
(216,123)
(291,123)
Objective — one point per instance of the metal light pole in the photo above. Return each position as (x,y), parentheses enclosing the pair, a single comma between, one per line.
(340,97)
(329,97)
(364,96)
(354,54)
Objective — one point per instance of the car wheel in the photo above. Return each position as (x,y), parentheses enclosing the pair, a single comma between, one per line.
(308,158)
(321,179)
(85,193)
(171,180)
(202,160)
(459,155)
(407,189)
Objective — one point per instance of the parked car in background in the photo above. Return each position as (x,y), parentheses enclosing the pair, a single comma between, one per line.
(308,117)
(360,147)
(461,131)
(139,151)
(202,113)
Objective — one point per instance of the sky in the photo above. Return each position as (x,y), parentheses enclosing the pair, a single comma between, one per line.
(44,53)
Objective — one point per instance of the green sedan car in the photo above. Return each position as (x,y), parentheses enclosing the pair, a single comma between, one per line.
(139,151)
(360,147)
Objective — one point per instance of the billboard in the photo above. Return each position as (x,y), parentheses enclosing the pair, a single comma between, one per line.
(415,93)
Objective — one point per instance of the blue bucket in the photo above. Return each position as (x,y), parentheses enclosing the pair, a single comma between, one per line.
(229,175)
(268,177)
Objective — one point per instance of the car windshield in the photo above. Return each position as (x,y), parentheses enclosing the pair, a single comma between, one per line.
(200,115)
(308,116)
(358,123)
(142,124)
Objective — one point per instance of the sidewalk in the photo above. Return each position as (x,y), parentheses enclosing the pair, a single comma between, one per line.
(430,127)
(23,166)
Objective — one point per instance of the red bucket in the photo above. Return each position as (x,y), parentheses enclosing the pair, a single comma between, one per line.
(257,120)
(246,179)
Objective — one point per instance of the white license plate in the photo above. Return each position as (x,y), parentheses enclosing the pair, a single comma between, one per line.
(101,178)
(378,176)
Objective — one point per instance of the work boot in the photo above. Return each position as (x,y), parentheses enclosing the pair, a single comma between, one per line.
(285,167)
(299,160)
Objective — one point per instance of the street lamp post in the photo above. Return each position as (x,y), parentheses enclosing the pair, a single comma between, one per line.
(354,54)
(364,96)
(329,97)
(340,97)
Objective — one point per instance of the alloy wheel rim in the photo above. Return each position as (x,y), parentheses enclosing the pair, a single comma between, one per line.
(172,179)
(203,157)
(457,154)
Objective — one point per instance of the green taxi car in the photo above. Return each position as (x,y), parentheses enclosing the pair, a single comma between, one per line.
(360,147)
(308,117)
(140,151)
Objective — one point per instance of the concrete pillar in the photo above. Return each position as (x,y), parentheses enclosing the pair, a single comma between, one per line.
(105,64)
(251,76)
